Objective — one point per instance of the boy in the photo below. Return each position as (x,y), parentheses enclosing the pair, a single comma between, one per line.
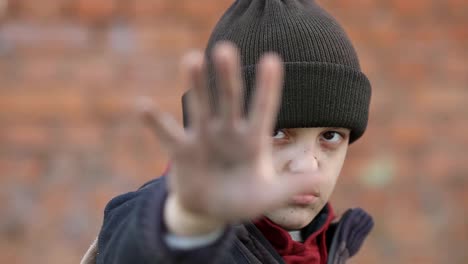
(235,193)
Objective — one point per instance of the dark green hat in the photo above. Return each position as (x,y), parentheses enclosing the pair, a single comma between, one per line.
(323,82)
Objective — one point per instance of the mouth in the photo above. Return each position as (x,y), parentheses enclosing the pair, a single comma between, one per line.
(305,199)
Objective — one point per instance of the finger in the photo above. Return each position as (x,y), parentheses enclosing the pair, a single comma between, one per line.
(283,155)
(169,132)
(229,82)
(198,102)
(266,100)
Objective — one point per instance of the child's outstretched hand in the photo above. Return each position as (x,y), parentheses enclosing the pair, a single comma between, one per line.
(221,166)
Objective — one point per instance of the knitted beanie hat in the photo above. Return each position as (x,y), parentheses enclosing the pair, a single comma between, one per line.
(323,82)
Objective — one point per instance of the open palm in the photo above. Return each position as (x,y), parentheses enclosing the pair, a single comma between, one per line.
(222,165)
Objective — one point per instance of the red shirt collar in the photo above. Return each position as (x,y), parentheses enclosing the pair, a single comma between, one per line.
(312,251)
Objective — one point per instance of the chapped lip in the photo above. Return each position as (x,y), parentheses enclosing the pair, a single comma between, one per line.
(314,193)
(304,199)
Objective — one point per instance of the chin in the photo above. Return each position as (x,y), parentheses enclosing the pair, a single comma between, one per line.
(292,217)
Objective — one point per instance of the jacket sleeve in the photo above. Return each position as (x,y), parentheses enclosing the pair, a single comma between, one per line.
(133,232)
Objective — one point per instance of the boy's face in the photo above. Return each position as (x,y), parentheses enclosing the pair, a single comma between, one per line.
(318,152)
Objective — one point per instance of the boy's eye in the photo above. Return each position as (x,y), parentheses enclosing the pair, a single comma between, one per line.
(279,134)
(332,136)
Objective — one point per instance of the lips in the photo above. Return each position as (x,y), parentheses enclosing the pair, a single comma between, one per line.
(304,199)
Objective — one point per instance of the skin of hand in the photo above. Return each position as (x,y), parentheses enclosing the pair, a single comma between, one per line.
(222,166)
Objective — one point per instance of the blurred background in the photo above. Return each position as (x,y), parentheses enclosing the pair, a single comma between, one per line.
(70,140)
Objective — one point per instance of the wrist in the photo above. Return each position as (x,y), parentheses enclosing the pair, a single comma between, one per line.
(182,222)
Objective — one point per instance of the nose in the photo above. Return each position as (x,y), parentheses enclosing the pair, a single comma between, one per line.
(305,161)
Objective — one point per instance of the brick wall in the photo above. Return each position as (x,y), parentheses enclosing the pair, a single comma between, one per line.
(69,140)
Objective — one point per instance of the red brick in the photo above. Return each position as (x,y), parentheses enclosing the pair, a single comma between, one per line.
(122,106)
(30,74)
(457,9)
(26,170)
(63,105)
(459,132)
(150,9)
(408,208)
(168,40)
(8,252)
(341,9)
(4,8)
(459,34)
(92,72)
(412,9)
(30,9)
(430,34)
(454,65)
(83,135)
(385,33)
(368,253)
(30,38)
(111,106)
(205,14)
(25,136)
(96,11)
(359,38)
(438,165)
(406,70)
(448,101)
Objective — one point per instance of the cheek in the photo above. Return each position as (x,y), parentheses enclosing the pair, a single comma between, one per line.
(330,166)
(330,177)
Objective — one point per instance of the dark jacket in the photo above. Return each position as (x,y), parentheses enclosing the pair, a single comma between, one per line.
(133,232)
